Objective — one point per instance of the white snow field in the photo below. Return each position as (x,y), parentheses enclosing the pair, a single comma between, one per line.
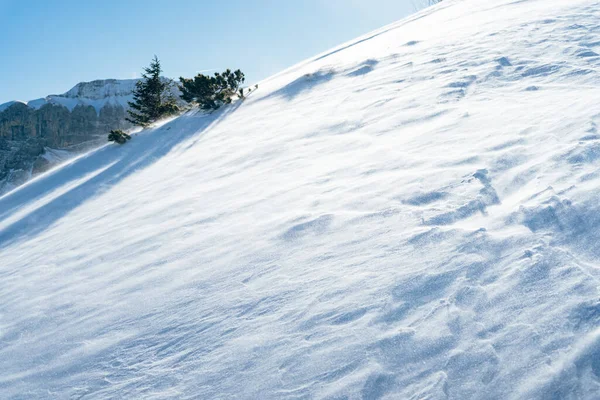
(412,215)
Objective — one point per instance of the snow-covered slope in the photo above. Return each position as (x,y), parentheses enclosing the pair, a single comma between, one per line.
(413,215)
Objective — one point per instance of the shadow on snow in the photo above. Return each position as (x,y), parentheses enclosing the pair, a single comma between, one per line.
(96,171)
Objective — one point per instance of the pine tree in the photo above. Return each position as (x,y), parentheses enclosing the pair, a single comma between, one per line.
(211,92)
(118,136)
(152,98)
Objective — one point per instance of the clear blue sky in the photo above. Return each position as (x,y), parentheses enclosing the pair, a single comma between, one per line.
(46,47)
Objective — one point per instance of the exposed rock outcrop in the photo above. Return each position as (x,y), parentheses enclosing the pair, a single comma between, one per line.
(76,120)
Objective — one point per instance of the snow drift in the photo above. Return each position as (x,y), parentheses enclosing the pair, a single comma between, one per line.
(411,215)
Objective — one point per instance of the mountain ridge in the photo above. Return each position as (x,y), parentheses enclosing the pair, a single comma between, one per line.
(87,93)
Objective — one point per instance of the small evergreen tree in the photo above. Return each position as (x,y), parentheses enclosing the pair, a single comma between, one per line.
(211,92)
(118,136)
(152,98)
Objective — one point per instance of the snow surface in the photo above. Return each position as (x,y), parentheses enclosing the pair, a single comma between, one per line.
(413,215)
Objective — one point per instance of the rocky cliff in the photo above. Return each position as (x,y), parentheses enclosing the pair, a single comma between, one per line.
(30,132)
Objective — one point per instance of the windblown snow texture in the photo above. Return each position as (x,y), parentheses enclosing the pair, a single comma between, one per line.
(412,215)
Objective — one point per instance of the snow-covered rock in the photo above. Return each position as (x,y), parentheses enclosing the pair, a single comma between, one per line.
(97,94)
(4,106)
(411,215)
(101,89)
